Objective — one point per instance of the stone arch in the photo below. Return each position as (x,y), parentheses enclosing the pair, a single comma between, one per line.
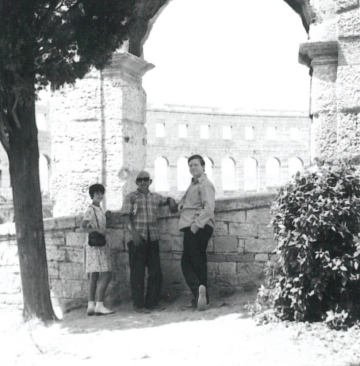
(272,172)
(146,13)
(228,174)
(161,182)
(295,165)
(183,174)
(250,174)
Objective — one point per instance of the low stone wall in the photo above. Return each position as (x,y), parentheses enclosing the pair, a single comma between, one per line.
(241,244)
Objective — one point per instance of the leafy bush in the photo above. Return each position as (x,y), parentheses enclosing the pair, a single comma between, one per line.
(316,220)
(262,310)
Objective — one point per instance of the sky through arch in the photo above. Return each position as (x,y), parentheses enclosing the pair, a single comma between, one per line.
(240,54)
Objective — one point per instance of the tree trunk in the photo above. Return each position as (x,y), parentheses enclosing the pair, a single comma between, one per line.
(23,156)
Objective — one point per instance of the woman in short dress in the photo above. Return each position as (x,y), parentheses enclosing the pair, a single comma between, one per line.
(98,261)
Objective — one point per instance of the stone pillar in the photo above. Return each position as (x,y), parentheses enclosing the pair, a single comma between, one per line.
(98,135)
(322,57)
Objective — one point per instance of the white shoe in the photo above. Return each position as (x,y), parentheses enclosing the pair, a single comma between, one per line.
(100,309)
(201,304)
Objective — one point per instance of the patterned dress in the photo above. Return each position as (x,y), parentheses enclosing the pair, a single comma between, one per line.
(97,259)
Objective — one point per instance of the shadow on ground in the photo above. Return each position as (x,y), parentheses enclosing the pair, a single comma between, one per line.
(76,321)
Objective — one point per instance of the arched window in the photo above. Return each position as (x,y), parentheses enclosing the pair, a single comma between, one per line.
(272,172)
(44,173)
(209,167)
(295,165)
(250,174)
(161,174)
(228,174)
(183,174)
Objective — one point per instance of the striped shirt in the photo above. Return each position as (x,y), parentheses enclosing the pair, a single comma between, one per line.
(144,210)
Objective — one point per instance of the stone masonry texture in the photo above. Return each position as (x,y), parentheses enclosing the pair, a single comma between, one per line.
(241,245)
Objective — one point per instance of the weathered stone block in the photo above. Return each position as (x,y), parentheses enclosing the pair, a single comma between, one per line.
(73,239)
(211,246)
(177,243)
(115,239)
(323,91)
(265,231)
(233,216)
(56,254)
(243,230)
(53,269)
(348,134)
(261,257)
(72,271)
(54,238)
(165,243)
(348,86)
(212,267)
(343,5)
(258,216)
(214,257)
(70,289)
(349,51)
(10,283)
(227,280)
(226,268)
(259,245)
(221,228)
(225,244)
(75,255)
(255,271)
(349,24)
(324,136)
(250,257)
(122,259)
(8,254)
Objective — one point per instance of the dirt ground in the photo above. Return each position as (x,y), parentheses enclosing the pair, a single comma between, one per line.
(222,335)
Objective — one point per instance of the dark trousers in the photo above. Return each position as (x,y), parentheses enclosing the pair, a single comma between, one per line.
(140,257)
(193,260)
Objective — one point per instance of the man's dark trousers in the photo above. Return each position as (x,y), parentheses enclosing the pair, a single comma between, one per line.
(140,257)
(193,260)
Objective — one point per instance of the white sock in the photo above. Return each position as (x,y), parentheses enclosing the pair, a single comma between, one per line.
(99,304)
(91,304)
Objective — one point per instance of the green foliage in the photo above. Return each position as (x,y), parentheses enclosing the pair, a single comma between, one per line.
(56,42)
(316,220)
(262,310)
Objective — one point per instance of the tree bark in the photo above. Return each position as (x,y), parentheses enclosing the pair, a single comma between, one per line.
(23,156)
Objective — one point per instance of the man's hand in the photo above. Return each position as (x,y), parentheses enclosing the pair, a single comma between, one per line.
(136,238)
(172,205)
(194,228)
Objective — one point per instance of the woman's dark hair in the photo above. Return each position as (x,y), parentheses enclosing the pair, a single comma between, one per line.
(96,188)
(198,157)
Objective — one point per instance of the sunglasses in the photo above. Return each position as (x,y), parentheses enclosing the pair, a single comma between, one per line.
(143,179)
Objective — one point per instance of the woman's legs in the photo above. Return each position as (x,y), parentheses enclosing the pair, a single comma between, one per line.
(104,280)
(93,277)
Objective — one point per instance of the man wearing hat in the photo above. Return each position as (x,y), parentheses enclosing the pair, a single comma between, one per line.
(140,211)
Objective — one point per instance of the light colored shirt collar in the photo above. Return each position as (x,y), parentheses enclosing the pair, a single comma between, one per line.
(197,180)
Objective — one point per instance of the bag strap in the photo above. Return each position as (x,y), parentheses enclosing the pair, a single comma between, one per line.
(96,218)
